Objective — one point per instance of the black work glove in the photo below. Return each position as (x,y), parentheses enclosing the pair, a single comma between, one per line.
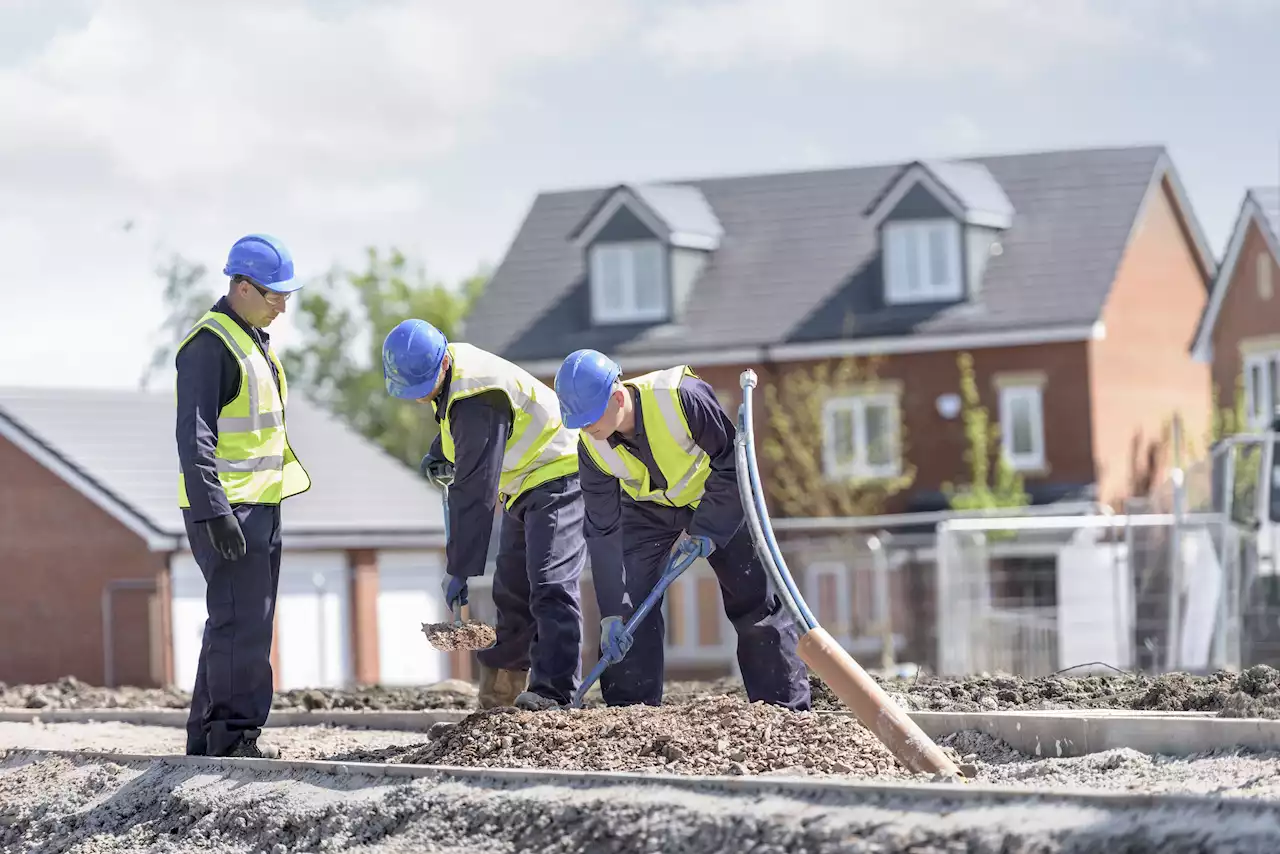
(226,536)
(436,469)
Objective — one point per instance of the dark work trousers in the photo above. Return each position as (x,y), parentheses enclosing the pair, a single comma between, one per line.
(541,555)
(232,695)
(767,636)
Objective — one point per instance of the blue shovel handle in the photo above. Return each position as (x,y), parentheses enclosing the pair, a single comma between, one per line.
(676,565)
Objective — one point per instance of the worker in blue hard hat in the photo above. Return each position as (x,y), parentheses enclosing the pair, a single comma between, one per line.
(501,439)
(235,467)
(656,460)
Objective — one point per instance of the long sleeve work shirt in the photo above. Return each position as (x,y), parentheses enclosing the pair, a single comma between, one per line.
(480,426)
(719,513)
(208,379)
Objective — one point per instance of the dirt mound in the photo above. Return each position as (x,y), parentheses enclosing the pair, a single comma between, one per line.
(720,735)
(70,693)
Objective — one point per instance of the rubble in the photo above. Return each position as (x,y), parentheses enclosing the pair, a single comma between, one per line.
(470,635)
(721,735)
(1253,693)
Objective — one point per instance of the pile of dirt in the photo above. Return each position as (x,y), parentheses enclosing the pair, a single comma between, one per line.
(70,693)
(1252,693)
(470,635)
(721,735)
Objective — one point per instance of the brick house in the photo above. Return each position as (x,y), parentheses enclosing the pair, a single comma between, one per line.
(99,583)
(1239,335)
(1074,279)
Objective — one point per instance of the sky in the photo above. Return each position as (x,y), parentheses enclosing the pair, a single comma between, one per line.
(132,130)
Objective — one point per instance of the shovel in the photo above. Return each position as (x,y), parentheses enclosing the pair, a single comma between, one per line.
(470,635)
(676,565)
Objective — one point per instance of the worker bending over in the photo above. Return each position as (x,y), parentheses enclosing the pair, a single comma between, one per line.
(657,465)
(235,467)
(501,434)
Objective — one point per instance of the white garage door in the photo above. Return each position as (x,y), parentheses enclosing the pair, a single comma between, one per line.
(408,596)
(314,614)
(189,613)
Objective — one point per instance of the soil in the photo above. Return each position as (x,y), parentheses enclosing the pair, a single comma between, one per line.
(472,634)
(723,735)
(1253,693)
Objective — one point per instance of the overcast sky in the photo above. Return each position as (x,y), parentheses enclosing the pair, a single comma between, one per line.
(132,129)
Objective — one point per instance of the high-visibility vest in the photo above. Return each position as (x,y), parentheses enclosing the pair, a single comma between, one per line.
(540,448)
(255,463)
(681,460)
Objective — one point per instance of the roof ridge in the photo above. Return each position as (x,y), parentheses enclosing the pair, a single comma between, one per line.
(1155,149)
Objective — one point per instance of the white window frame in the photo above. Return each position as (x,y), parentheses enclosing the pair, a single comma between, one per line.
(899,261)
(1035,459)
(856,406)
(692,651)
(1258,406)
(629,311)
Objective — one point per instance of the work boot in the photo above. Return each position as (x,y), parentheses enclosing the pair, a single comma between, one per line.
(532,702)
(500,687)
(251,748)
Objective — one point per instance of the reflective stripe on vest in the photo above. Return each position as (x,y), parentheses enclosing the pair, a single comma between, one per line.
(540,448)
(253,458)
(683,463)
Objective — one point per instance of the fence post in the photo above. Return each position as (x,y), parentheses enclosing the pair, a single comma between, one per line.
(1172,651)
(884,610)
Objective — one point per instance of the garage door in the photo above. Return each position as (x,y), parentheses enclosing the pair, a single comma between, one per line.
(408,596)
(189,613)
(314,615)
(312,612)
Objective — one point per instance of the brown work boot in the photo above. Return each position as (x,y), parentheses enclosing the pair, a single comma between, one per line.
(501,687)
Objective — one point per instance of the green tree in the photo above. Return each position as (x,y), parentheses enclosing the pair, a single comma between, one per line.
(343,319)
(983,440)
(794,442)
(188,294)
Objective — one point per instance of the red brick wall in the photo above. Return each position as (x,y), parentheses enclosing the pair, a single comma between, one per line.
(1143,371)
(57,550)
(1244,314)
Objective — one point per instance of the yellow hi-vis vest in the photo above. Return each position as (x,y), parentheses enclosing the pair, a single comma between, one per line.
(680,459)
(540,448)
(255,463)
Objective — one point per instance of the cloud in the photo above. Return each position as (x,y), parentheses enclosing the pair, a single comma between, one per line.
(910,38)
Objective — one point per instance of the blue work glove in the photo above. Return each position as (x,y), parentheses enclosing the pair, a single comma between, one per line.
(455,590)
(614,639)
(696,545)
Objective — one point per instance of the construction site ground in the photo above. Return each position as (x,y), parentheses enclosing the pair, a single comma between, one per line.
(92,803)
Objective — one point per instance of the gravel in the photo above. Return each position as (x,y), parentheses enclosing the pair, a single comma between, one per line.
(470,635)
(49,806)
(1252,693)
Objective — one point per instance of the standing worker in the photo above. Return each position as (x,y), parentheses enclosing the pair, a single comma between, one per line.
(500,432)
(236,468)
(656,459)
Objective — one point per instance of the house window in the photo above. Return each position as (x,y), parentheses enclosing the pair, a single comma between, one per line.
(1261,388)
(860,436)
(922,261)
(628,282)
(1022,426)
(1264,276)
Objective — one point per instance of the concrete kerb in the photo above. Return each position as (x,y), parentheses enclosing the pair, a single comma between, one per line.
(1040,733)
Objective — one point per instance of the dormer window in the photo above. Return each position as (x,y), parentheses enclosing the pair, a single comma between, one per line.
(628,284)
(937,222)
(644,244)
(922,261)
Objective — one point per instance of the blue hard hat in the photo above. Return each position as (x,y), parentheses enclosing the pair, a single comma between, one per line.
(263,259)
(583,384)
(411,358)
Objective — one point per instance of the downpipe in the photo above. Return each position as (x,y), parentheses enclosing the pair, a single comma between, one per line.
(817,649)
